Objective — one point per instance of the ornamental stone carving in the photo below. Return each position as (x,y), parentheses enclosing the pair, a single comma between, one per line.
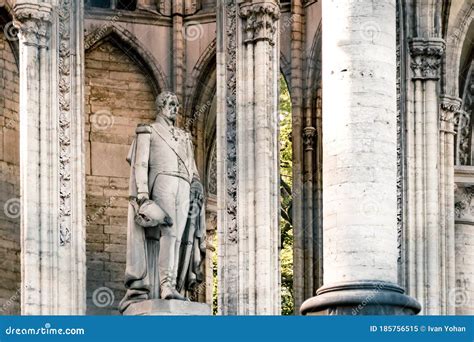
(261,21)
(33,21)
(426,57)
(64,100)
(309,134)
(464,206)
(231,121)
(462,123)
(449,107)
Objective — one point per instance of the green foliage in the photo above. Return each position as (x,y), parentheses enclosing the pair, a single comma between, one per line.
(286,227)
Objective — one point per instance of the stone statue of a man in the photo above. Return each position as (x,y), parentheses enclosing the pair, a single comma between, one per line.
(166,230)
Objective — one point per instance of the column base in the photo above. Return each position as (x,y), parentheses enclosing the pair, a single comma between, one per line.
(360,298)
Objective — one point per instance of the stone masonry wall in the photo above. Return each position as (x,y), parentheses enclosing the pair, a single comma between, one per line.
(9,182)
(118,97)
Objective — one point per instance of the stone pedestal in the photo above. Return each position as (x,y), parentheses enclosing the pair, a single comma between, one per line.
(161,307)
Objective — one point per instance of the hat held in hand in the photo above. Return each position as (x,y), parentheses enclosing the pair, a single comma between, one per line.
(151,214)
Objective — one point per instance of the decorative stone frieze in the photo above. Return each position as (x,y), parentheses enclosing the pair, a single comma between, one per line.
(231,121)
(64,12)
(426,57)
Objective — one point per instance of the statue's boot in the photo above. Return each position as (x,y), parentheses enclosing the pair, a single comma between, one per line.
(166,268)
(168,291)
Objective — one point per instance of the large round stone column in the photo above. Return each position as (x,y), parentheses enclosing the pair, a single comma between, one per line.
(359,162)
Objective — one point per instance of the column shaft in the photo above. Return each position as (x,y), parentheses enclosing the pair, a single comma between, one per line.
(248,68)
(359,162)
(52,157)
(429,166)
(449,107)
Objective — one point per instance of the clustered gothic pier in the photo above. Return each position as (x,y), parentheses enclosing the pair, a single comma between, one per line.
(382,169)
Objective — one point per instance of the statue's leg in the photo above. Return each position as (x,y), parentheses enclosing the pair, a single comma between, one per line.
(182,207)
(165,192)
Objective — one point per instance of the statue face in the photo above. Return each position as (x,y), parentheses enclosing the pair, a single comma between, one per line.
(170,109)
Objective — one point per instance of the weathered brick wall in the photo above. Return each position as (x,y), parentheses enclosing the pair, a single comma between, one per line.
(9,182)
(118,97)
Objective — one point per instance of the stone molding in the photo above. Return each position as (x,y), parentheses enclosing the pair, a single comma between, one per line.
(365,297)
(426,57)
(261,21)
(231,121)
(65,183)
(33,21)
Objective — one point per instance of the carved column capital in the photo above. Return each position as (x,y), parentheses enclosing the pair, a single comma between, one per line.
(309,134)
(33,21)
(449,106)
(426,57)
(261,21)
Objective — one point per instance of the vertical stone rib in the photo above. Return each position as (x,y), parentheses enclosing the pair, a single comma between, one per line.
(419,192)
(432,198)
(449,107)
(299,230)
(178,49)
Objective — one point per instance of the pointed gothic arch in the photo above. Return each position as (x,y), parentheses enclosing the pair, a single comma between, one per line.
(132,47)
(455,36)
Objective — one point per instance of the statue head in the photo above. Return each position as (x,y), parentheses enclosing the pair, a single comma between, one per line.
(167,105)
